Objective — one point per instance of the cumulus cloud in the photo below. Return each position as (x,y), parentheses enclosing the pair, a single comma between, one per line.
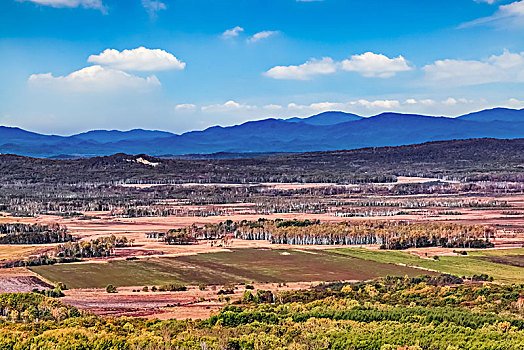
(368,64)
(233,32)
(507,67)
(185,107)
(380,104)
(139,59)
(371,64)
(317,107)
(228,106)
(450,101)
(272,107)
(261,35)
(153,7)
(91,4)
(511,14)
(95,79)
(515,103)
(304,71)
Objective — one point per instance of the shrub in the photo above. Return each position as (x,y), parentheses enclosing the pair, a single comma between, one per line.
(172,288)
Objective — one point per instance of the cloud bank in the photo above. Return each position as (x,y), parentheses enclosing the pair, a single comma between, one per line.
(88,4)
(369,65)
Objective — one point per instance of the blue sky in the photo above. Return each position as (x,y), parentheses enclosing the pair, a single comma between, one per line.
(71,65)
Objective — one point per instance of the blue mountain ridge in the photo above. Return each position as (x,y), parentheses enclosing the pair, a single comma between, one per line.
(322,132)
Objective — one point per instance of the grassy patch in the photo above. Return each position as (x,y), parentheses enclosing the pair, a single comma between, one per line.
(457,265)
(240,265)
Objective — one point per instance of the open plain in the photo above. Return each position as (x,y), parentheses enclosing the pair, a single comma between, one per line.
(141,214)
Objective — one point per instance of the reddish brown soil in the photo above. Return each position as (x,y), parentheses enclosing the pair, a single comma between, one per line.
(20,280)
(193,303)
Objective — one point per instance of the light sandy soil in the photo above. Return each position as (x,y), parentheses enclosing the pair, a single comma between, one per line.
(298,185)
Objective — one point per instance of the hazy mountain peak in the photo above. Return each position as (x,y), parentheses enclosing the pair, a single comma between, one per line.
(495,114)
(326,118)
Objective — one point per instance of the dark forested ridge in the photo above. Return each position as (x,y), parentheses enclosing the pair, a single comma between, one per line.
(474,159)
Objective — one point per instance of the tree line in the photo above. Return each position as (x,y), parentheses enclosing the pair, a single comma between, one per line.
(387,234)
(72,252)
(18,233)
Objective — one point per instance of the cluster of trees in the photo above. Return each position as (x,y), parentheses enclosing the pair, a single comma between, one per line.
(37,260)
(72,252)
(442,203)
(33,307)
(17,233)
(423,313)
(185,235)
(389,234)
(99,247)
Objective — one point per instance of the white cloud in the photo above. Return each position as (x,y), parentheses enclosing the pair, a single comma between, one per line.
(511,14)
(363,105)
(272,107)
(450,101)
(319,106)
(185,107)
(227,107)
(491,2)
(358,106)
(507,67)
(515,103)
(92,4)
(140,59)
(370,64)
(233,32)
(95,79)
(304,71)
(153,7)
(233,112)
(262,35)
(380,104)
(427,102)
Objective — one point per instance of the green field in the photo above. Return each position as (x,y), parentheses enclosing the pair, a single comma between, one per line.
(476,262)
(240,265)
(265,265)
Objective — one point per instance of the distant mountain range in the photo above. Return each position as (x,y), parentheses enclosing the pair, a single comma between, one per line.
(322,132)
